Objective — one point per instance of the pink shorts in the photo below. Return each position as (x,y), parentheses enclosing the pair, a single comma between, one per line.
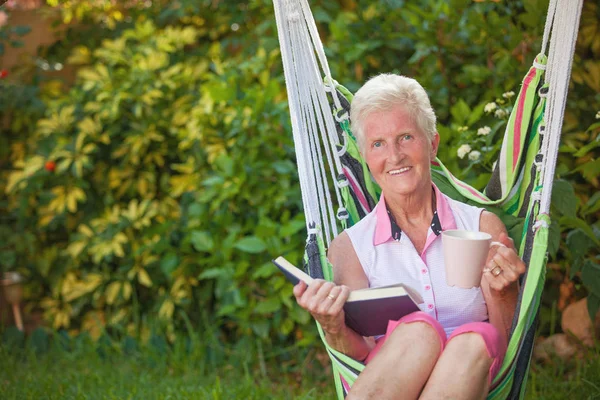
(494,342)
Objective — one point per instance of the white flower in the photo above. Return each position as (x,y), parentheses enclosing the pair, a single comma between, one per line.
(474,155)
(500,113)
(484,131)
(508,95)
(463,150)
(489,107)
(598,115)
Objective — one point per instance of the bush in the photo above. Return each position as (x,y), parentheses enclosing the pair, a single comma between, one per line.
(163,181)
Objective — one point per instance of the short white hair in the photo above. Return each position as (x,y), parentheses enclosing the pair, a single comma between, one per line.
(385,92)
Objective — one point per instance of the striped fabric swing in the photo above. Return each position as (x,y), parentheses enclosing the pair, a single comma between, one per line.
(331,169)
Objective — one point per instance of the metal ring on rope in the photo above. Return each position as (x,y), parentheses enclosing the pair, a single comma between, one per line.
(539,159)
(328,87)
(341,118)
(312,228)
(342,181)
(541,129)
(342,214)
(539,223)
(539,66)
(543,92)
(342,148)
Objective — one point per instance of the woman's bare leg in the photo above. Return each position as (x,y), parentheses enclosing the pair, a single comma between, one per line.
(402,366)
(461,371)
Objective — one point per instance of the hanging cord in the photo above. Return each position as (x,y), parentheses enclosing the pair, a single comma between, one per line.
(313,127)
(284,18)
(549,20)
(562,47)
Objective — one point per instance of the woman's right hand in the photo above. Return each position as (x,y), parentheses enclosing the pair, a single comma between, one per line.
(325,301)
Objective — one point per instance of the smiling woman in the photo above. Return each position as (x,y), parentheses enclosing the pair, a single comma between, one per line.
(458,331)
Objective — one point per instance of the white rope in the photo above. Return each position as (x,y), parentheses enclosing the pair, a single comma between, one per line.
(565,25)
(312,27)
(283,19)
(549,19)
(315,136)
(308,76)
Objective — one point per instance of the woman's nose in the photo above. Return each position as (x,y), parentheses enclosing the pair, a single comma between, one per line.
(396,154)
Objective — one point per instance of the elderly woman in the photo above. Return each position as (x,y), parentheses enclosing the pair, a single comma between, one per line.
(454,346)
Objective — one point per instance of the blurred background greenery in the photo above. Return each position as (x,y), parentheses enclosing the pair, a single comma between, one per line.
(147,166)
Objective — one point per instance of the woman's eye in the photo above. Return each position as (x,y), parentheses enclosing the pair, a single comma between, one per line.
(408,137)
(377,144)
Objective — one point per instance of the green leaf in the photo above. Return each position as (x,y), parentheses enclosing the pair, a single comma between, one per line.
(476,114)
(592,205)
(268,306)
(581,224)
(590,275)
(202,241)
(563,198)
(261,328)
(593,305)
(460,112)
(291,228)
(553,239)
(213,273)
(169,263)
(264,271)
(225,164)
(590,170)
(251,244)
(578,242)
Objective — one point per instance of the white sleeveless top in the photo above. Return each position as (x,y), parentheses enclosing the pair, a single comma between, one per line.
(389,257)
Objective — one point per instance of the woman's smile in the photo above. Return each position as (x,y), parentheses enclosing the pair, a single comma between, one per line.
(400,171)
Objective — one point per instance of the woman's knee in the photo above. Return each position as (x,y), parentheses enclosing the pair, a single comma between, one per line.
(469,347)
(419,333)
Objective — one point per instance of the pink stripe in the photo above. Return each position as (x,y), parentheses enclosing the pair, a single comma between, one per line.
(357,191)
(470,189)
(345,384)
(519,118)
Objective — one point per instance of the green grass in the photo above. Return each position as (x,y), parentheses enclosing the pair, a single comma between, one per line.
(575,379)
(81,369)
(60,368)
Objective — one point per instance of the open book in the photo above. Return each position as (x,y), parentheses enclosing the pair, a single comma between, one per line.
(367,311)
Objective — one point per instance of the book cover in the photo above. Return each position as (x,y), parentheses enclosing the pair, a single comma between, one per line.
(367,311)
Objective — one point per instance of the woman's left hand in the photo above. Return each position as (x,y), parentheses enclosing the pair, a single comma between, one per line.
(504,266)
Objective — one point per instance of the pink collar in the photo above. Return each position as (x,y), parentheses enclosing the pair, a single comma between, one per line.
(383,225)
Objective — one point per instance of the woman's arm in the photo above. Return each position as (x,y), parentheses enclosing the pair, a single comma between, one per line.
(325,300)
(500,291)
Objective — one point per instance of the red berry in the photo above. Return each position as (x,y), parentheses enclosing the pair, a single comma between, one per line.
(3,73)
(50,166)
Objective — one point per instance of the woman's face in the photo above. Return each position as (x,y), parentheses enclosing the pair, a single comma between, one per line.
(397,152)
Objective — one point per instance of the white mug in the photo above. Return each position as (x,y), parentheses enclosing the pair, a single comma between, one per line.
(465,253)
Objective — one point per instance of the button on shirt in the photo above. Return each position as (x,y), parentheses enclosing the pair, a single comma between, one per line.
(389,257)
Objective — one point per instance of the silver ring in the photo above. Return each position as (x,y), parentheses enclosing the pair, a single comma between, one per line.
(329,296)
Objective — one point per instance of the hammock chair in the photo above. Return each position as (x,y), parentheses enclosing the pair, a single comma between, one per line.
(331,169)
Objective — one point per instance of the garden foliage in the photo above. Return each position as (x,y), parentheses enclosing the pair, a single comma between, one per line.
(162,180)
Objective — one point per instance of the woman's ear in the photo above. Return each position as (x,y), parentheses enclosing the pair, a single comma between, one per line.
(435,142)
